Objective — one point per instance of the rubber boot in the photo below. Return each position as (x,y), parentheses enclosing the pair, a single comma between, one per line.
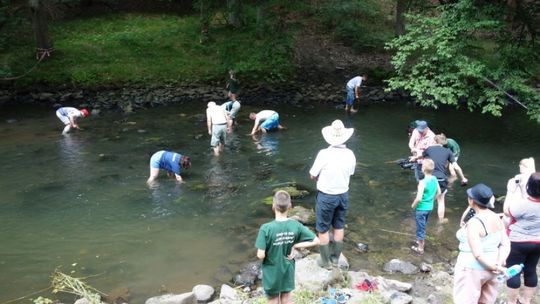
(337,248)
(512,295)
(528,294)
(324,260)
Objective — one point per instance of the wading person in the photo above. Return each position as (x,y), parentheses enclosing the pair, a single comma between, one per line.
(171,162)
(453,146)
(232,108)
(428,189)
(218,124)
(483,248)
(69,116)
(265,121)
(524,236)
(276,243)
(420,139)
(332,169)
(441,156)
(232,86)
(353,92)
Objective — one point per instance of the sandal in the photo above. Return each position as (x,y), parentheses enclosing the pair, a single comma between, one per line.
(417,250)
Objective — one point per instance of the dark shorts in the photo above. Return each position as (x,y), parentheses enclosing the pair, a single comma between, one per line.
(443,184)
(330,210)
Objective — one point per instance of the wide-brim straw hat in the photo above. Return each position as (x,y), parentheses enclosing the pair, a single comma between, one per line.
(336,133)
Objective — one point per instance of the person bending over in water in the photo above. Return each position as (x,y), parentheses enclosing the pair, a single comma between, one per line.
(265,120)
(68,116)
(171,162)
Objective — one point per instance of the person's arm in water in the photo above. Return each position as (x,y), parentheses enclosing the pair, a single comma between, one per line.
(178,178)
(73,122)
(255,126)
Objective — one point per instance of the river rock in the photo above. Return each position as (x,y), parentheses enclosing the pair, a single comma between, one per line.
(185,298)
(303,215)
(293,191)
(397,265)
(229,295)
(361,247)
(203,293)
(425,267)
(248,274)
(118,296)
(310,276)
(396,297)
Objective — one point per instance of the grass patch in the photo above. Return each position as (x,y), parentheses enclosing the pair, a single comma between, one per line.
(151,49)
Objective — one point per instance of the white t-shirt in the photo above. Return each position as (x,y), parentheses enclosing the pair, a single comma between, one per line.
(216,115)
(265,114)
(355,82)
(333,167)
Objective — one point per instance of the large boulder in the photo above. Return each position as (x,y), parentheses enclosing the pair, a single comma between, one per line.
(314,278)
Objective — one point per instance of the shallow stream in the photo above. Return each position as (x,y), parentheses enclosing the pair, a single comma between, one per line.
(81,203)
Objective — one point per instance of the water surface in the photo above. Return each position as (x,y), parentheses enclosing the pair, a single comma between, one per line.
(81,203)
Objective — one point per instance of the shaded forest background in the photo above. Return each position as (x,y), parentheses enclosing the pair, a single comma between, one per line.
(478,54)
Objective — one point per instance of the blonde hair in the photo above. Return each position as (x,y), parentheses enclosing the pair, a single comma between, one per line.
(427,166)
(282,201)
(441,139)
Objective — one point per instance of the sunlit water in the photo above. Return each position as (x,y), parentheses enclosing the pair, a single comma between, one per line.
(81,202)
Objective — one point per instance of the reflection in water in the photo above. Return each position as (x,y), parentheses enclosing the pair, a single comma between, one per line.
(164,197)
(267,144)
(71,150)
(220,186)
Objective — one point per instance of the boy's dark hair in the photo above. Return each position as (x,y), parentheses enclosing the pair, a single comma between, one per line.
(185,162)
(282,201)
(533,185)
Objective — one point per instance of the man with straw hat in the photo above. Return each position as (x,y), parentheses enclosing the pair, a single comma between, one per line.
(332,170)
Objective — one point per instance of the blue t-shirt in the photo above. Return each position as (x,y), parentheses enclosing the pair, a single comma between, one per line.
(170,161)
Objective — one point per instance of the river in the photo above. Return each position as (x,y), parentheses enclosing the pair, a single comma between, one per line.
(80,202)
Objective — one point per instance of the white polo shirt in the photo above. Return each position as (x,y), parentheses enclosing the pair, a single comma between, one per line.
(333,166)
(216,115)
(354,82)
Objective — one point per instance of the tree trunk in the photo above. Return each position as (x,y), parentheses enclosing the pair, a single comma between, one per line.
(400,17)
(41,28)
(205,21)
(235,13)
(260,16)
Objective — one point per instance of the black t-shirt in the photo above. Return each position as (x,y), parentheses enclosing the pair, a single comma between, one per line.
(440,155)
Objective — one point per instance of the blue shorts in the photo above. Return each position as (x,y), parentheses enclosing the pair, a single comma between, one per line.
(331,210)
(156,159)
(271,123)
(350,97)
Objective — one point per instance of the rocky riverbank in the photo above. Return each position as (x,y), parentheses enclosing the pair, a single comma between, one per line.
(418,284)
(128,99)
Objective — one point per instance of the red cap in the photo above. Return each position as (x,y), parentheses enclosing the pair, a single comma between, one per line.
(84,112)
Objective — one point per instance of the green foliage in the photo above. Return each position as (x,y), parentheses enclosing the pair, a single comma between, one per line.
(151,49)
(358,23)
(447,59)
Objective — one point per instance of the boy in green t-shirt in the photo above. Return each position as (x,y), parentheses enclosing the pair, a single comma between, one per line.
(428,189)
(276,243)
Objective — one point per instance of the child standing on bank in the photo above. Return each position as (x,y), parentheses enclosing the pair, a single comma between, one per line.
(276,243)
(428,190)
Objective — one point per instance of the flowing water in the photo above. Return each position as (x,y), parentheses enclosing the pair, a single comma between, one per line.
(81,203)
